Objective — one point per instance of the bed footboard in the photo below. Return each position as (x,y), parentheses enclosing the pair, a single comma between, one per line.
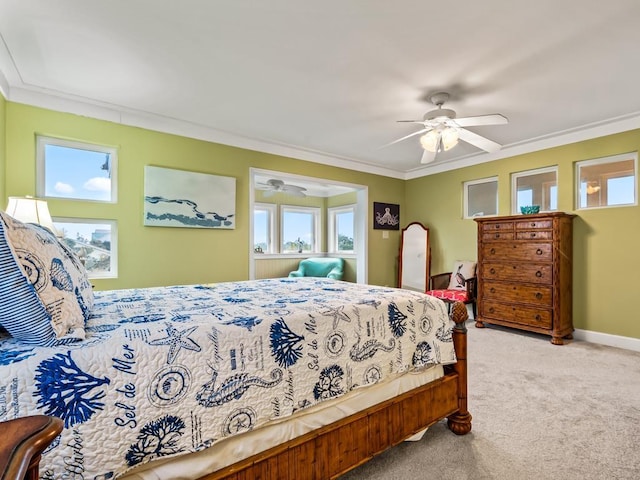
(22,442)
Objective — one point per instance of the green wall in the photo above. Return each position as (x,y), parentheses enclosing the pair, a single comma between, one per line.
(3,151)
(150,256)
(605,241)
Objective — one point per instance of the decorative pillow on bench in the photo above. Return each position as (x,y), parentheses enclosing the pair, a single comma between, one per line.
(44,288)
(462,270)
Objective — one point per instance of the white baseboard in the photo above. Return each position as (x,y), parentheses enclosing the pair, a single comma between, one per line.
(628,343)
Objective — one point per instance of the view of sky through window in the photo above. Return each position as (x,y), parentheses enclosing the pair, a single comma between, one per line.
(297,227)
(77,173)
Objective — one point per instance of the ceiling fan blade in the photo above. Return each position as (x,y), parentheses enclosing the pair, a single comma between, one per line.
(428,157)
(479,141)
(424,130)
(491,119)
(411,121)
(293,188)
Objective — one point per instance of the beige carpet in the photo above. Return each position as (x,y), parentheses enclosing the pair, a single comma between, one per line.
(540,411)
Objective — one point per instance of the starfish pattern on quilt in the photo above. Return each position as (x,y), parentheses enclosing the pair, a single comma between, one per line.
(177,340)
(337,314)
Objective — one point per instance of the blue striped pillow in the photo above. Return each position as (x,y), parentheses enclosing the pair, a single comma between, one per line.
(45,294)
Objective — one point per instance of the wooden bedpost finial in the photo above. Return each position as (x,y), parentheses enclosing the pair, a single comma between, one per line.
(459,314)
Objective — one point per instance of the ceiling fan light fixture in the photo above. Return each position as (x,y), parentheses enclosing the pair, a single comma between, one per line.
(440,139)
(430,140)
(449,138)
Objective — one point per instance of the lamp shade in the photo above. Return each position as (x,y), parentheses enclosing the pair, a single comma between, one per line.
(31,210)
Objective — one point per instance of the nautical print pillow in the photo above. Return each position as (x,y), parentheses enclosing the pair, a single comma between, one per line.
(462,270)
(44,289)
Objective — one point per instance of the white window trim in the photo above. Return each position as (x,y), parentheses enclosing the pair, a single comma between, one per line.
(332,238)
(272,240)
(317,232)
(113,270)
(526,173)
(42,141)
(601,161)
(465,194)
(547,190)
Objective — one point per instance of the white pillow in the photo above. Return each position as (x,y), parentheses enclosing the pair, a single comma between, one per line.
(462,270)
(44,288)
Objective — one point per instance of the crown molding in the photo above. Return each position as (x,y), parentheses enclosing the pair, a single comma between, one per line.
(79,106)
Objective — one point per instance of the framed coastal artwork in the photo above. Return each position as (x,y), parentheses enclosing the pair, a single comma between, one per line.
(386,216)
(177,198)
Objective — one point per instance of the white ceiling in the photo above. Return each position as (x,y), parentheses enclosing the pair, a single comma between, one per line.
(327,80)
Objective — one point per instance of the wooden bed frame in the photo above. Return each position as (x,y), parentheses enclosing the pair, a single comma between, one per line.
(325,453)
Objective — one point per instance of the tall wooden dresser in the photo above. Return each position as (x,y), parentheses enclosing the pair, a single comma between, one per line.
(525,273)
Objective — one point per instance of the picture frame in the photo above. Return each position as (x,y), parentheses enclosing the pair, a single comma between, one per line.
(179,198)
(386,216)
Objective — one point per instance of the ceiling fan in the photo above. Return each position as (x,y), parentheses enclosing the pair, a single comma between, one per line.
(442,129)
(274,185)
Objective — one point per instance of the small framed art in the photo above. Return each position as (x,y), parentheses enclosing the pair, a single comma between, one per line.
(386,216)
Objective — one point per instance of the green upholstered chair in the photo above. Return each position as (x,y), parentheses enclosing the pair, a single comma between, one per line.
(320,267)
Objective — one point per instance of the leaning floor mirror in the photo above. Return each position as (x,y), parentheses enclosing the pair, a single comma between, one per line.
(415,258)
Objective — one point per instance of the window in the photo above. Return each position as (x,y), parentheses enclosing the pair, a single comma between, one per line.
(300,229)
(535,187)
(75,170)
(607,182)
(341,229)
(264,216)
(94,241)
(481,197)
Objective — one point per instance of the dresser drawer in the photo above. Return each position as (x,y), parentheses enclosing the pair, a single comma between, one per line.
(518,272)
(533,224)
(535,317)
(525,251)
(534,235)
(497,235)
(541,296)
(493,226)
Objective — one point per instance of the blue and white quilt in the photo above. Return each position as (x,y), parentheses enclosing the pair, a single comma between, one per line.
(167,371)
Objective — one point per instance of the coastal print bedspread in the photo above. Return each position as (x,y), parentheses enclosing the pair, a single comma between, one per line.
(166,371)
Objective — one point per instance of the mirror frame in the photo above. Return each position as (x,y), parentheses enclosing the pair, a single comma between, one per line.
(415,252)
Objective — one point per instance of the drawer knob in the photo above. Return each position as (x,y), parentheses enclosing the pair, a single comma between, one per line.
(497,227)
(539,251)
(492,251)
(491,310)
(492,271)
(497,235)
(533,224)
(492,290)
(539,296)
(538,274)
(538,317)
(533,234)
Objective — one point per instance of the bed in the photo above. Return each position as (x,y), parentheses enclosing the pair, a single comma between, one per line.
(278,378)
